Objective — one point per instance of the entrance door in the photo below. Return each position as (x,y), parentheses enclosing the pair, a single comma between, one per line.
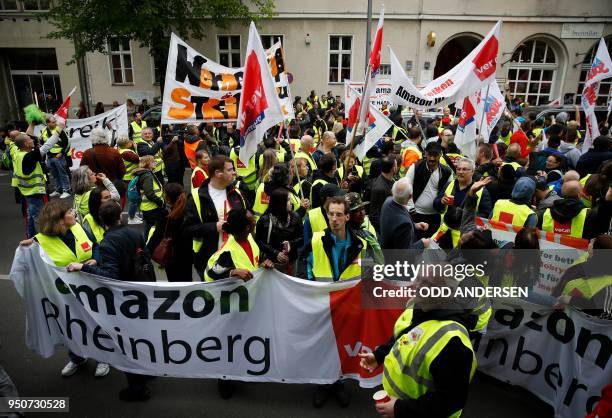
(35,76)
(453,52)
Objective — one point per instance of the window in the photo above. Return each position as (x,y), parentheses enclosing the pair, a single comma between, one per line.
(532,71)
(605,85)
(340,58)
(24,5)
(155,72)
(8,5)
(385,69)
(269,40)
(35,5)
(229,50)
(120,61)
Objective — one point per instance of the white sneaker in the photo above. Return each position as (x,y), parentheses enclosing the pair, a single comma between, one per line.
(102,369)
(71,368)
(135,221)
(54,194)
(65,195)
(139,216)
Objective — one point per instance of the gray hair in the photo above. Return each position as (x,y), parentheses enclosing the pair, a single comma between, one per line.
(328,134)
(123,140)
(80,180)
(148,128)
(402,191)
(99,136)
(468,161)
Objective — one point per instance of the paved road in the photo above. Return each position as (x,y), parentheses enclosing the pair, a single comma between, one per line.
(91,397)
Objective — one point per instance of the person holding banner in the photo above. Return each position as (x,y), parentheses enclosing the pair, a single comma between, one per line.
(207,209)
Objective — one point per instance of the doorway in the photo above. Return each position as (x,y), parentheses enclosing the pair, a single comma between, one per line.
(453,52)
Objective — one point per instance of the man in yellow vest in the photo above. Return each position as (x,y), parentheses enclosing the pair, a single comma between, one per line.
(517,210)
(136,127)
(569,216)
(306,144)
(57,158)
(146,145)
(429,362)
(29,175)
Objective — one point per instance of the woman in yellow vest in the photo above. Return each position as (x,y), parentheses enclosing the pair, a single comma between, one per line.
(152,205)
(239,256)
(64,241)
(83,182)
(263,176)
(429,361)
(301,179)
(92,222)
(350,173)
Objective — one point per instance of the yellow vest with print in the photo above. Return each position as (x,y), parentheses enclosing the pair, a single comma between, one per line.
(239,256)
(586,198)
(406,373)
(321,265)
(573,228)
(158,156)
(59,252)
(130,167)
(248,174)
(511,213)
(587,288)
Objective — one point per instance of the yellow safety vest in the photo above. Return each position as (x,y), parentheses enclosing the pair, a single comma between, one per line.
(574,228)
(262,201)
(403,135)
(147,204)
(511,213)
(586,198)
(248,174)
(137,129)
(455,234)
(321,265)
(449,192)
(317,220)
(158,156)
(314,183)
(195,171)
(587,288)
(56,149)
(31,184)
(506,138)
(239,256)
(59,252)
(130,167)
(406,373)
(357,167)
(81,204)
(307,157)
(96,229)
(514,165)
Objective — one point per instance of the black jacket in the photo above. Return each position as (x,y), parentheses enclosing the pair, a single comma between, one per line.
(422,175)
(484,208)
(590,161)
(381,190)
(450,371)
(207,227)
(179,268)
(396,227)
(316,198)
(117,254)
(145,185)
(293,232)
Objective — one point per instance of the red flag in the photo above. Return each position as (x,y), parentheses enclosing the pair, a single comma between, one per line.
(62,112)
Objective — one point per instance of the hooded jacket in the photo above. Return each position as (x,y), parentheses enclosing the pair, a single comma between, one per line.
(597,220)
(571,153)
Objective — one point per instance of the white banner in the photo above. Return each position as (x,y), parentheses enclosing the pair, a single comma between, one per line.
(601,68)
(78,130)
(379,97)
(273,328)
(563,357)
(278,66)
(463,80)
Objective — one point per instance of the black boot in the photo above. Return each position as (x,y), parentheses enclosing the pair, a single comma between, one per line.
(343,396)
(225,388)
(321,395)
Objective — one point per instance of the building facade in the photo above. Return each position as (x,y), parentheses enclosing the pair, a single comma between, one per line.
(545,48)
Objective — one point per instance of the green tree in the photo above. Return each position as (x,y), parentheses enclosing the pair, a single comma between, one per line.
(89,24)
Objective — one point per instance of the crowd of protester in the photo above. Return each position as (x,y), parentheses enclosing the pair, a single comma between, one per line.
(306,205)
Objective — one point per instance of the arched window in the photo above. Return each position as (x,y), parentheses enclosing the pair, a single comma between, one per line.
(603,94)
(532,71)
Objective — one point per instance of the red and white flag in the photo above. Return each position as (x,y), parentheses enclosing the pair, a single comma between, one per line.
(493,103)
(62,112)
(601,68)
(465,137)
(555,103)
(260,109)
(373,69)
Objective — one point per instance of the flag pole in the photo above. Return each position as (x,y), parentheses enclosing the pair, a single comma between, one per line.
(420,126)
(356,126)
(484,111)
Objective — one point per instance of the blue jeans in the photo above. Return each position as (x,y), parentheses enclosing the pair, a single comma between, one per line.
(33,206)
(57,166)
(132,209)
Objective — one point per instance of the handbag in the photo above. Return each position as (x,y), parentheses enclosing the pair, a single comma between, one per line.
(164,252)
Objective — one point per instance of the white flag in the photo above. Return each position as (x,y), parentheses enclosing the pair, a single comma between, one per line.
(260,108)
(473,72)
(601,68)
(278,67)
(465,137)
(493,105)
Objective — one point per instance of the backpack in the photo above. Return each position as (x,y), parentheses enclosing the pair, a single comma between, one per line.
(143,270)
(133,191)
